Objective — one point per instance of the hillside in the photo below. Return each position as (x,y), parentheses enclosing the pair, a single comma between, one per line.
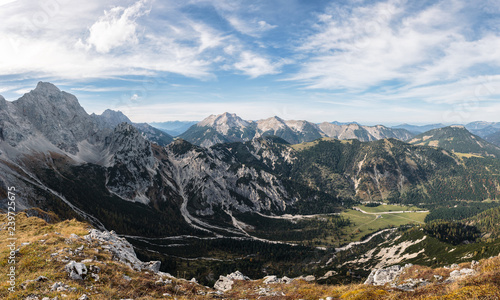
(456,139)
(494,138)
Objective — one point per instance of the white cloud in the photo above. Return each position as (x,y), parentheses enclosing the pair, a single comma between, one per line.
(60,46)
(99,39)
(254,65)
(117,27)
(249,27)
(134,97)
(387,43)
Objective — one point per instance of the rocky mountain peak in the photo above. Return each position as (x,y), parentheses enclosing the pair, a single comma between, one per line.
(46,88)
(110,119)
(118,115)
(224,122)
(272,123)
(56,115)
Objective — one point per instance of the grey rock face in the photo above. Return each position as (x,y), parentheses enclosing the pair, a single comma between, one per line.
(133,163)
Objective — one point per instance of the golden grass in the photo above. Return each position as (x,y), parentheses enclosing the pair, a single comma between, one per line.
(35,260)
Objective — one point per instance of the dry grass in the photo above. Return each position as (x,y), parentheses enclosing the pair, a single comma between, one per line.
(35,260)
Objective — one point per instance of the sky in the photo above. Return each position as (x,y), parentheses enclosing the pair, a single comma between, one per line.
(374,62)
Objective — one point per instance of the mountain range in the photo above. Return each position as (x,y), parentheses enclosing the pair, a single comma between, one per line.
(242,183)
(229,127)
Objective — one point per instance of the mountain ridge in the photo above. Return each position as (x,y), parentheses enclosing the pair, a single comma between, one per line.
(228,127)
(458,139)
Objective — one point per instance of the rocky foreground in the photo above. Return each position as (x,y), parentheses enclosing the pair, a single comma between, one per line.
(71,260)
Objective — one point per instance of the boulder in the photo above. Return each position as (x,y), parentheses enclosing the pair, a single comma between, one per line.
(383,276)
(153,266)
(224,284)
(271,279)
(76,271)
(237,276)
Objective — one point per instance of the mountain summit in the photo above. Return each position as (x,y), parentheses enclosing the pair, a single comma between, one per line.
(224,122)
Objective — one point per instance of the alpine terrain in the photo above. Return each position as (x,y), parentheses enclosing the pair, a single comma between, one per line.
(322,203)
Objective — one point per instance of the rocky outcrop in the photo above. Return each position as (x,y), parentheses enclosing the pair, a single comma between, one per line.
(273,279)
(390,276)
(384,275)
(132,163)
(225,283)
(122,250)
(459,274)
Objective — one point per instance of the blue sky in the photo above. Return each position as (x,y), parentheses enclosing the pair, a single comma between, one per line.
(373,62)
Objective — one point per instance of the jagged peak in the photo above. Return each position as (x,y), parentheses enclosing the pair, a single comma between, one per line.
(46,92)
(271,123)
(231,119)
(109,113)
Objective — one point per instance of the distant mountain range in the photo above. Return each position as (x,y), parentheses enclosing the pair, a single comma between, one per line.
(173,128)
(419,128)
(229,127)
